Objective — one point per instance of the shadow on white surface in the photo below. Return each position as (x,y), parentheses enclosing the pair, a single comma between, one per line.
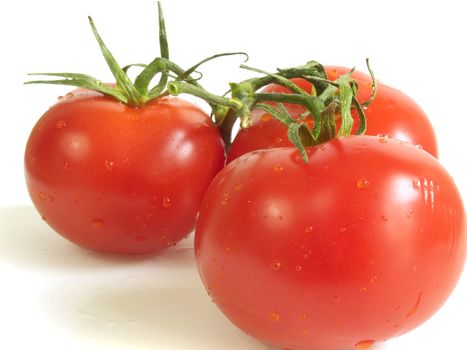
(84,300)
(145,313)
(27,241)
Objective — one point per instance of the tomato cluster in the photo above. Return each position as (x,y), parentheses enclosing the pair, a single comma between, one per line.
(340,243)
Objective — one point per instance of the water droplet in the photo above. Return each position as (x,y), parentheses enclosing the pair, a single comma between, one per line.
(383,140)
(238,187)
(416,306)
(227,249)
(60,124)
(362,183)
(226,199)
(278,140)
(46,197)
(275,317)
(266,117)
(298,268)
(278,168)
(363,289)
(374,279)
(342,229)
(276,265)
(364,344)
(97,224)
(166,202)
(66,165)
(384,218)
(410,213)
(109,164)
(336,298)
(309,229)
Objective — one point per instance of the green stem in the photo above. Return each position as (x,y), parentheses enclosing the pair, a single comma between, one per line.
(180,87)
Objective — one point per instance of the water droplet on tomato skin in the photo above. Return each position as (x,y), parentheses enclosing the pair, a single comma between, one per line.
(97,224)
(60,124)
(383,140)
(278,168)
(384,218)
(416,306)
(275,317)
(109,164)
(166,202)
(238,187)
(226,199)
(266,117)
(410,213)
(46,197)
(276,265)
(298,268)
(363,183)
(308,229)
(278,140)
(364,344)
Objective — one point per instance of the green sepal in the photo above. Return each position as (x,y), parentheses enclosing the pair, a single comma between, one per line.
(299,134)
(361,117)
(80,80)
(122,80)
(278,79)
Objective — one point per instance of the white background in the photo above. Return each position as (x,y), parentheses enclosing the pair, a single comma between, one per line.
(56,294)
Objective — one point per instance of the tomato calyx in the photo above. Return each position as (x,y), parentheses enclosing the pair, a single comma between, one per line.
(327,102)
(139,92)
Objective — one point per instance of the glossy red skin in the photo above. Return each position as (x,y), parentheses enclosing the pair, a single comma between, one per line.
(118,179)
(392,113)
(361,244)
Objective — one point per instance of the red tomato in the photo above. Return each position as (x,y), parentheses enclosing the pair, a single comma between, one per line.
(392,113)
(119,179)
(362,243)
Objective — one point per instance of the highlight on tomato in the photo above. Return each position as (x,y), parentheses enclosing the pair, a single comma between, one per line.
(122,168)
